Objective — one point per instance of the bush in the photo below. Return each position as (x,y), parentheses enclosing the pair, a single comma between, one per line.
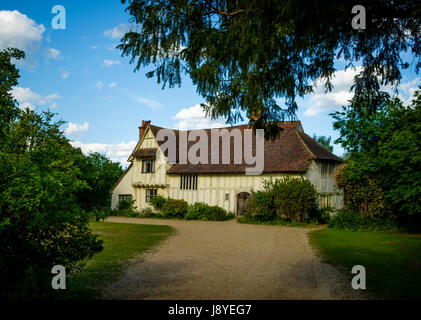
(174,208)
(99,215)
(294,199)
(354,221)
(196,211)
(202,211)
(148,213)
(157,202)
(323,215)
(125,204)
(260,206)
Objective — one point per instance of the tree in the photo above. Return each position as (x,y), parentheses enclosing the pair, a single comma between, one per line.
(100,174)
(324,142)
(244,54)
(382,172)
(41,224)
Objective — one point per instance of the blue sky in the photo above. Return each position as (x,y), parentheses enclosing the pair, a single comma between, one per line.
(78,73)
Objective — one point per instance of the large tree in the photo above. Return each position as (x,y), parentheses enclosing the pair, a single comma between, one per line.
(244,54)
(41,223)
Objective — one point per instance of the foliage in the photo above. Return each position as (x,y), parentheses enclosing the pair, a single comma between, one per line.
(247,219)
(149,213)
(99,215)
(41,224)
(260,206)
(126,208)
(242,55)
(100,174)
(294,199)
(174,208)
(202,211)
(291,199)
(382,172)
(324,142)
(157,202)
(354,221)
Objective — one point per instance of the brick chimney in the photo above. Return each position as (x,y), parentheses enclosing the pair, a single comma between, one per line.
(145,124)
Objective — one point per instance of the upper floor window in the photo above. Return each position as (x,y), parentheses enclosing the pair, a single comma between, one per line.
(327,169)
(188,182)
(148,166)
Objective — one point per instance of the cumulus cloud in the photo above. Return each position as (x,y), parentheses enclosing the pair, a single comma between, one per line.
(112,84)
(321,102)
(19,31)
(110,63)
(116,152)
(99,85)
(195,118)
(118,31)
(64,74)
(52,53)
(74,128)
(324,103)
(27,98)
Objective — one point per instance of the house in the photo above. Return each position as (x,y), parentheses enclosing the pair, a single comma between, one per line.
(156,170)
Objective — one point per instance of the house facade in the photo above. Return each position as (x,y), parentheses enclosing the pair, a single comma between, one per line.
(155,171)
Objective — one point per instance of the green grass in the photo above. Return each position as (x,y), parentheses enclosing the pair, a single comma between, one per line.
(277,221)
(122,242)
(392,261)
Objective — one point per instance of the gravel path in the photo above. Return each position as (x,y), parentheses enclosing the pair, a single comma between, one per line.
(228,260)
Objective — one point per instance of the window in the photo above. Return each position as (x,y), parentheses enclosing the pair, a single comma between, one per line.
(150,193)
(124,197)
(327,169)
(148,166)
(188,182)
(227,196)
(325,201)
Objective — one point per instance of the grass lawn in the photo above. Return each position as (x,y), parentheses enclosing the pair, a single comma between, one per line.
(122,242)
(392,261)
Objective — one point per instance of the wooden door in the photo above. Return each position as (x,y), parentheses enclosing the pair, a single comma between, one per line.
(242,198)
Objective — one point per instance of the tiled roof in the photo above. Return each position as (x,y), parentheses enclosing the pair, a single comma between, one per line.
(291,152)
(145,153)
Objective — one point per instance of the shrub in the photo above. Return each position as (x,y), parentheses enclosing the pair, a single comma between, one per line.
(99,215)
(174,208)
(157,202)
(202,211)
(323,215)
(126,204)
(196,211)
(354,221)
(148,213)
(260,206)
(294,199)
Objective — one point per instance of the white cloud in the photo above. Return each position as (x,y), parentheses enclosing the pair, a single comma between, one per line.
(112,84)
(99,85)
(110,63)
(118,31)
(321,102)
(74,128)
(407,90)
(146,101)
(27,98)
(116,152)
(19,31)
(53,54)
(195,118)
(94,47)
(64,74)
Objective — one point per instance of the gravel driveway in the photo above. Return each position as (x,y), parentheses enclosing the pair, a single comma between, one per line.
(228,260)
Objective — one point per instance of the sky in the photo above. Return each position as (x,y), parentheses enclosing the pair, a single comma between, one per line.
(78,73)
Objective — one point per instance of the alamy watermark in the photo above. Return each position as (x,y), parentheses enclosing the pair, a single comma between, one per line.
(199,153)
(59,20)
(59,280)
(358,281)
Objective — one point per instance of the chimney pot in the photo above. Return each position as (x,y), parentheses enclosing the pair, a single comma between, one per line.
(143,127)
